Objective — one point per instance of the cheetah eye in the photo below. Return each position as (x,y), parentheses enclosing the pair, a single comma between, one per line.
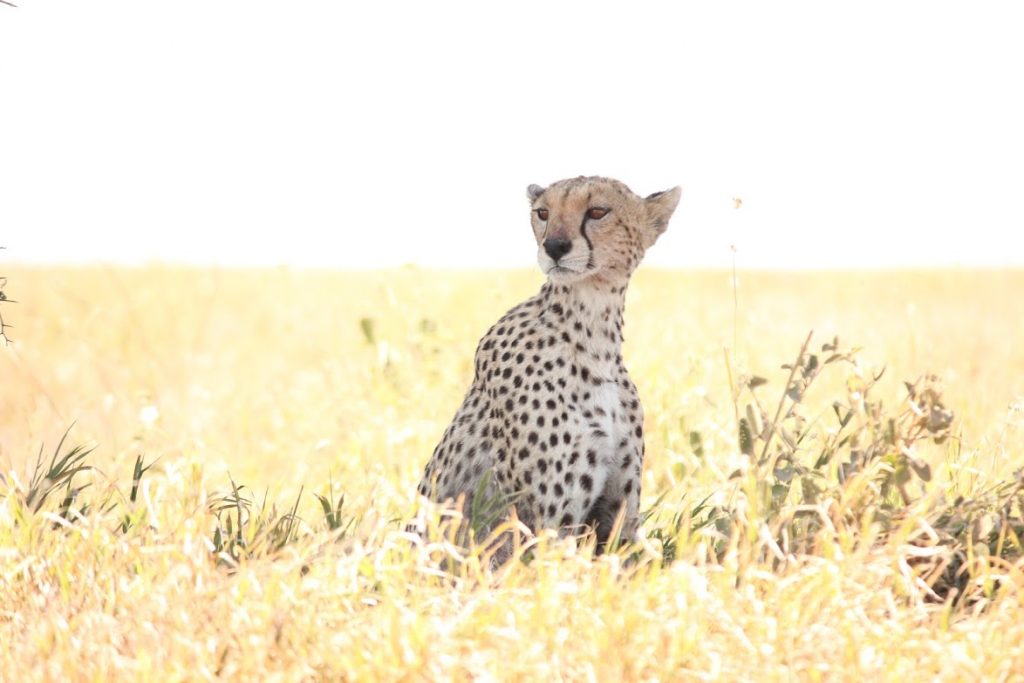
(542,214)
(596,213)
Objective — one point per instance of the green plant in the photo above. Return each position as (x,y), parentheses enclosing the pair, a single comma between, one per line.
(682,522)
(243,527)
(60,473)
(862,458)
(246,528)
(864,464)
(333,510)
(127,520)
(978,539)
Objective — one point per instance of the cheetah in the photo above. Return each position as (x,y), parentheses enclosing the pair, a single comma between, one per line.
(552,423)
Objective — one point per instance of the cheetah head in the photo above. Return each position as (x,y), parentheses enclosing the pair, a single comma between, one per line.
(595,227)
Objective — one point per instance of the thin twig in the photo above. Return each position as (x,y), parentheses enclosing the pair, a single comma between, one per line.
(733,389)
(735,305)
(782,402)
(8,3)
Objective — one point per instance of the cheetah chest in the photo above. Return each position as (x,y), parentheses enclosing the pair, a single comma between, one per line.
(606,424)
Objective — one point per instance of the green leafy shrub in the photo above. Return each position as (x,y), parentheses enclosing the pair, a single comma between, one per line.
(810,481)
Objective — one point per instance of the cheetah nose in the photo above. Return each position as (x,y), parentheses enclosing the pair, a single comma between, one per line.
(557,247)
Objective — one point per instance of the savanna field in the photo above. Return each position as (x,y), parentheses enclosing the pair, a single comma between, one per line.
(257,436)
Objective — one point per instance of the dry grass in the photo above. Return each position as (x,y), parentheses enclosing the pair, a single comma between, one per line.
(288,379)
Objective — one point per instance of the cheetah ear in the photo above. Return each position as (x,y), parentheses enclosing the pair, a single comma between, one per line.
(534,191)
(660,206)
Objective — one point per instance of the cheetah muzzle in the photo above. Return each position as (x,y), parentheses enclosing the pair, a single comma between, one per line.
(552,423)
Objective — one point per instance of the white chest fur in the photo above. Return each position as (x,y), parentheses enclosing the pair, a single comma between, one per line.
(606,408)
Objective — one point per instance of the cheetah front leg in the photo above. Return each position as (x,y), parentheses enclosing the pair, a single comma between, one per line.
(565,486)
(620,497)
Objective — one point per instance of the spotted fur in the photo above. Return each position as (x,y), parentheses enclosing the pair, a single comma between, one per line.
(552,422)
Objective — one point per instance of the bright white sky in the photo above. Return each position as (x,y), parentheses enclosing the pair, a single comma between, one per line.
(365,134)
